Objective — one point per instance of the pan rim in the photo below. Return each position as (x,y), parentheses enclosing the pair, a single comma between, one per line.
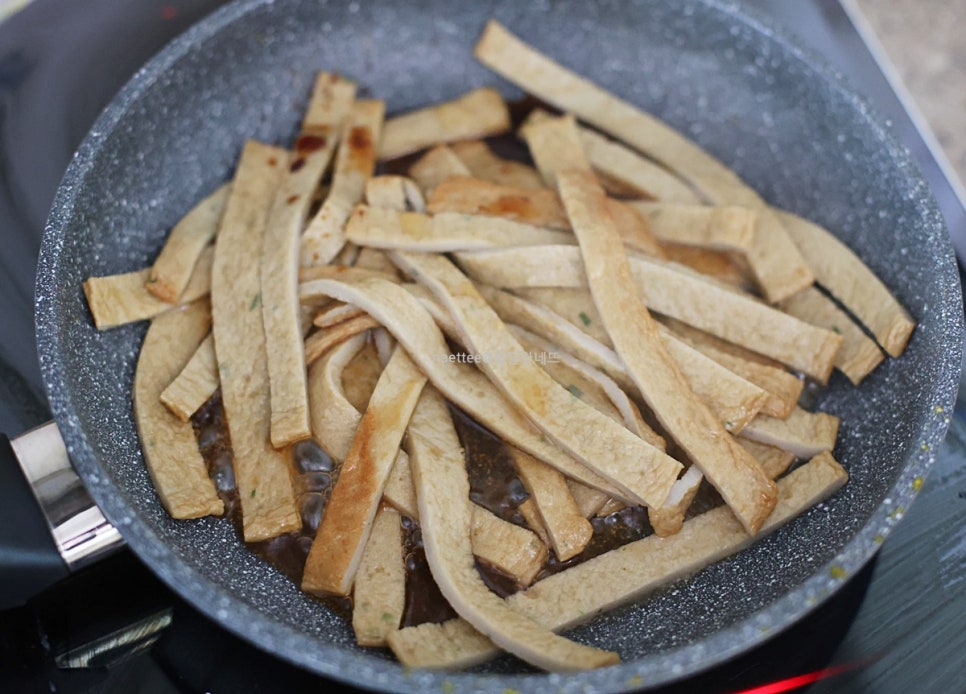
(347,666)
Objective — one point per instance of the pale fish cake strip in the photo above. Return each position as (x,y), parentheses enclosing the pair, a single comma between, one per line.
(434,167)
(624,169)
(445,513)
(279,262)
(733,399)
(400,492)
(171,451)
(612,160)
(395,192)
(347,256)
(774,460)
(361,374)
(623,575)
(379,594)
(375,259)
(335,313)
(195,384)
(334,418)
(848,279)
(516,551)
(859,354)
(735,474)
(531,516)
(589,500)
(378,227)
(263,474)
(118,299)
(720,227)
(803,433)
(320,342)
(669,517)
(477,113)
(568,530)
(554,145)
(321,272)
(482,163)
(783,388)
(172,269)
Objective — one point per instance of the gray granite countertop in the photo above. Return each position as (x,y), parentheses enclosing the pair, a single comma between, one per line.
(924,41)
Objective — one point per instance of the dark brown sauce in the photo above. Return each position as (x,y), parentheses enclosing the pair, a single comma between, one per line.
(211,432)
(494,485)
(312,484)
(285,553)
(308,143)
(424,602)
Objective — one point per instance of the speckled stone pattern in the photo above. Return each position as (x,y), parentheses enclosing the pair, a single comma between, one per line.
(742,89)
(924,40)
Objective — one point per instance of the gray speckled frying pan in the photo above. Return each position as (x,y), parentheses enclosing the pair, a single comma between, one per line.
(742,89)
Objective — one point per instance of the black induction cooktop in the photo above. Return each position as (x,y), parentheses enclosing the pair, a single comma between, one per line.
(897,626)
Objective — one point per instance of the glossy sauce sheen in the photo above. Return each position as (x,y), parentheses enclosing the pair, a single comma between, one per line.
(494,485)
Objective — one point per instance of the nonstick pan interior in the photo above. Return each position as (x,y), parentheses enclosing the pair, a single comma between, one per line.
(739,87)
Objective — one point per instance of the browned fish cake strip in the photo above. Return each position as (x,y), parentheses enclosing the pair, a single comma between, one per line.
(355,163)
(341,538)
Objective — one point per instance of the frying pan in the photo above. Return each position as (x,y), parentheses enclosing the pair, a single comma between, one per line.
(741,88)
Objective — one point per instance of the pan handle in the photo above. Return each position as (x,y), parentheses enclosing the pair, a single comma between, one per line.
(49,525)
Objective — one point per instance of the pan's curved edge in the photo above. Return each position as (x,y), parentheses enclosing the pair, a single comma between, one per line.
(644,672)
(210,598)
(860,550)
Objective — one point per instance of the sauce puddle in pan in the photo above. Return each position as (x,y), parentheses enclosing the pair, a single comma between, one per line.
(494,485)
